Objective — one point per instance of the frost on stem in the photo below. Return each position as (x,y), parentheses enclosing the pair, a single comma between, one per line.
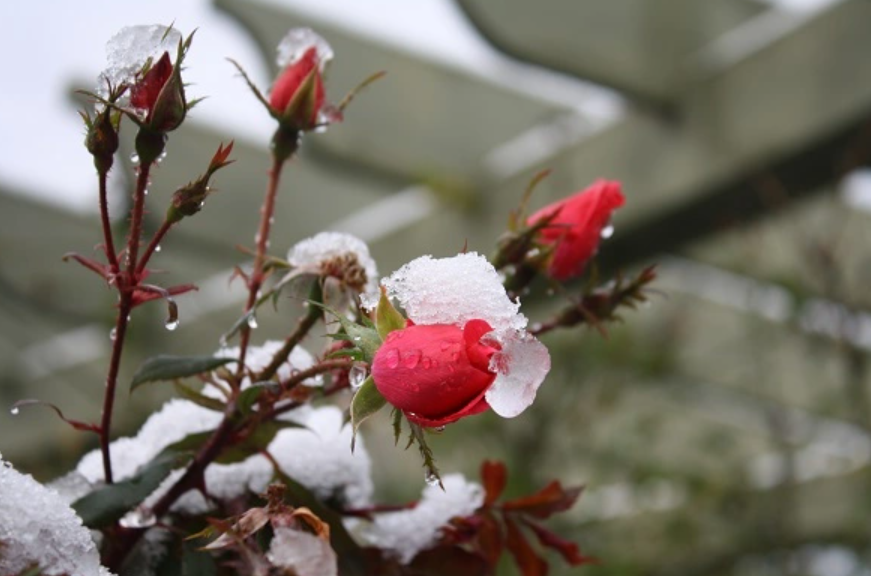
(37,527)
(405,533)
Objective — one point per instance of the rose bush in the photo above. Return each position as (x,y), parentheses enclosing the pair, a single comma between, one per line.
(576,225)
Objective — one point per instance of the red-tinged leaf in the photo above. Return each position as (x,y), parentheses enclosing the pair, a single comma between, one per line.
(494,475)
(490,542)
(551,499)
(219,160)
(76,424)
(567,549)
(445,560)
(149,294)
(101,269)
(530,563)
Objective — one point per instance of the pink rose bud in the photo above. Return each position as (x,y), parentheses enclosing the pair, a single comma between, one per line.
(577,225)
(435,373)
(298,92)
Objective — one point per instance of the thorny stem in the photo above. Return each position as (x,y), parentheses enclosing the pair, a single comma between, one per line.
(153,245)
(124,284)
(255,281)
(302,328)
(108,241)
(193,475)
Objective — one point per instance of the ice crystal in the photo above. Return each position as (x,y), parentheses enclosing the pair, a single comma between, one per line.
(259,357)
(520,366)
(305,554)
(37,526)
(296,43)
(454,291)
(131,47)
(405,533)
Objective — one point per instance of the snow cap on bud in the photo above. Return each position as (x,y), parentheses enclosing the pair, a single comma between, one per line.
(139,60)
(298,95)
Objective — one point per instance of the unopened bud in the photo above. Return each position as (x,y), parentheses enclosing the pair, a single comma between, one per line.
(102,139)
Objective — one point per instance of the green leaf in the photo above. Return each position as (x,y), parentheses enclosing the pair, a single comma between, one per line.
(366,339)
(199,399)
(397,425)
(255,442)
(251,395)
(366,402)
(387,318)
(108,504)
(429,465)
(165,367)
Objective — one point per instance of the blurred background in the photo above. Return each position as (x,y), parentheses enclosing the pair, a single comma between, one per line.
(721,430)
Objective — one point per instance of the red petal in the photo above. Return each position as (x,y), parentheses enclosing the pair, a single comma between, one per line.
(576,228)
(144,93)
(425,371)
(288,83)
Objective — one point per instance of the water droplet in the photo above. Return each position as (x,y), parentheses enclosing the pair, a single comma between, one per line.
(138,519)
(252,322)
(201,204)
(411,359)
(357,375)
(15,410)
(534,253)
(431,478)
(134,158)
(607,231)
(392,358)
(171,324)
(439,428)
(223,342)
(113,333)
(162,156)
(535,327)
(145,191)
(357,338)
(157,248)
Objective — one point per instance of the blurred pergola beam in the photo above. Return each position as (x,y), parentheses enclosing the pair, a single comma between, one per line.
(776,125)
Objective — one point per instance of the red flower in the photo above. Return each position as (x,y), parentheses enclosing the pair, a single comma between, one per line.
(576,227)
(436,373)
(160,94)
(298,93)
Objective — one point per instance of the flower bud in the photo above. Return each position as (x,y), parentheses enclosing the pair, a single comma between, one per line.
(159,93)
(298,93)
(576,225)
(436,373)
(102,138)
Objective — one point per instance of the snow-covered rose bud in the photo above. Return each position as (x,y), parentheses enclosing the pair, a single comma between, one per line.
(160,95)
(577,226)
(436,373)
(298,96)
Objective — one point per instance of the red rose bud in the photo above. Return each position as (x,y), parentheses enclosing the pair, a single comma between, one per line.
(160,94)
(298,93)
(576,226)
(436,373)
